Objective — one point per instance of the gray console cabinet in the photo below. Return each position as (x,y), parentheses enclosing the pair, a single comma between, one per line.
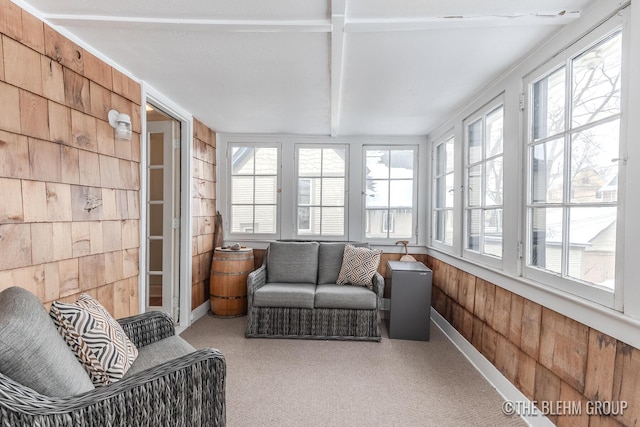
(409,316)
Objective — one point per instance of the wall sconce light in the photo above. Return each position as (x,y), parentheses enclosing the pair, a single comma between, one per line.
(121,123)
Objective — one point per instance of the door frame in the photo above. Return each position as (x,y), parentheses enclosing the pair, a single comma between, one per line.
(150,95)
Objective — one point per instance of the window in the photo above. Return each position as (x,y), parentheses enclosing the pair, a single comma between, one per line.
(443,192)
(321,190)
(254,189)
(390,193)
(574,133)
(484,183)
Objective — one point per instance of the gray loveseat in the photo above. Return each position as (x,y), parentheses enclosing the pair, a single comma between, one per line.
(294,295)
(43,384)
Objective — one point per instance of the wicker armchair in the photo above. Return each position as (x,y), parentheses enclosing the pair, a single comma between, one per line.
(186,391)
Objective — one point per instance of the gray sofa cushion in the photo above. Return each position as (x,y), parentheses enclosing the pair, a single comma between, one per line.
(345,296)
(32,352)
(159,352)
(292,262)
(285,295)
(330,260)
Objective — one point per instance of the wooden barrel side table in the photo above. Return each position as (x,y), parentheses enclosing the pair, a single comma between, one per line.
(228,281)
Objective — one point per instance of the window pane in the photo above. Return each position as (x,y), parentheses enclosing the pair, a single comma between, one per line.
(474,187)
(549,105)
(266,190)
(594,177)
(448,227)
(266,161)
(449,192)
(304,220)
(333,162)
(449,154)
(473,229)
(333,192)
(438,220)
(401,164)
(596,82)
(547,179)
(494,132)
(439,196)
(375,227)
(332,221)
(242,160)
(155,255)
(304,191)
(546,239)
(265,221)
(241,219)
(156,187)
(377,193)
(401,194)
(592,245)
(440,159)
(492,242)
(309,162)
(377,164)
(241,189)
(474,142)
(155,220)
(493,180)
(400,223)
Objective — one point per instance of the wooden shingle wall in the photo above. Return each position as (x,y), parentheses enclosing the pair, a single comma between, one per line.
(547,356)
(203,210)
(69,210)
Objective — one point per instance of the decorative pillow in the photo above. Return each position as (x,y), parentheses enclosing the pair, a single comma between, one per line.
(96,338)
(359,265)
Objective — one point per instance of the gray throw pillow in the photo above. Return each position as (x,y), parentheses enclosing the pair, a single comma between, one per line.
(292,262)
(32,352)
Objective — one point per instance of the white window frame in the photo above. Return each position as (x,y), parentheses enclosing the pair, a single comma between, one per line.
(481,114)
(414,209)
(442,141)
(296,205)
(230,235)
(574,286)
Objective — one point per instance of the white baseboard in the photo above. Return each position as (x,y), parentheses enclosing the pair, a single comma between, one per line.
(200,311)
(507,390)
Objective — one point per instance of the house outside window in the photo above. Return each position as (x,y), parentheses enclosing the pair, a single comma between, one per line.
(321,183)
(573,143)
(390,193)
(254,189)
(484,184)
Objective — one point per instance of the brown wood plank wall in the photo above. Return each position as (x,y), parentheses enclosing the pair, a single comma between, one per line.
(70,214)
(547,356)
(203,211)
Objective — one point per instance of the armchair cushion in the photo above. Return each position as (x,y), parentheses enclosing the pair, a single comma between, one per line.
(160,352)
(285,295)
(292,262)
(349,297)
(32,352)
(98,341)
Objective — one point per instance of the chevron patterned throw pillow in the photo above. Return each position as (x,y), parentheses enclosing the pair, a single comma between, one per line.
(96,338)
(359,265)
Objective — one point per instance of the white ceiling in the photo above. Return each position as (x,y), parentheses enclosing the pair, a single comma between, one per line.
(314,67)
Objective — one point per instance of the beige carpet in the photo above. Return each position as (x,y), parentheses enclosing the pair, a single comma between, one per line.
(277,382)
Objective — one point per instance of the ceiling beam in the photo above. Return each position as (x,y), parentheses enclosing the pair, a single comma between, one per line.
(222,25)
(459,21)
(338,9)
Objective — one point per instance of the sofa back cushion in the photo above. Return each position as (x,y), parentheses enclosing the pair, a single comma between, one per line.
(32,352)
(330,260)
(292,262)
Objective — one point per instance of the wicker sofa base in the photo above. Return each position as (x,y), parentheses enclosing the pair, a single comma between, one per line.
(319,323)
